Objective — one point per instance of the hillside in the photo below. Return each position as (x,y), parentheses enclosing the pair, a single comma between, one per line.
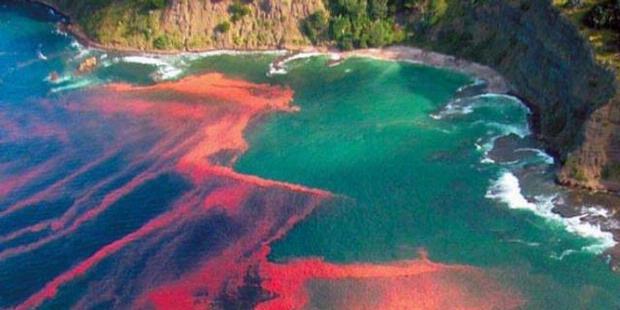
(539,51)
(191,24)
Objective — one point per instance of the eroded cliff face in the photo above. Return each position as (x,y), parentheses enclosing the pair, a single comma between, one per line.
(269,23)
(191,24)
(595,164)
(551,67)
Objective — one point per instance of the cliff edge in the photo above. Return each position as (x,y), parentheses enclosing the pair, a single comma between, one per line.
(552,68)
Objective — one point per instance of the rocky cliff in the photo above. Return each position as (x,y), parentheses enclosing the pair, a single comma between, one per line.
(190,24)
(550,66)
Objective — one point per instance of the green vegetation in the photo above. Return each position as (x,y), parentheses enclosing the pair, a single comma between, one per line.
(238,10)
(155,4)
(316,27)
(574,168)
(599,22)
(374,23)
(355,24)
(347,24)
(162,42)
(222,27)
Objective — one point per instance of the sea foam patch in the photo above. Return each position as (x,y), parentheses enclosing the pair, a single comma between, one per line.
(280,67)
(167,68)
(467,105)
(506,189)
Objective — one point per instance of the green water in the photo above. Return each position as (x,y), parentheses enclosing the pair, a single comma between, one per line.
(406,181)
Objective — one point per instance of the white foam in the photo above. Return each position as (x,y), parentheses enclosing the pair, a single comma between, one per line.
(167,68)
(507,190)
(597,211)
(486,148)
(60,80)
(279,67)
(82,83)
(41,56)
(540,153)
(198,55)
(456,107)
(528,243)
(563,254)
(145,60)
(467,105)
(57,31)
(476,82)
(81,50)
(173,66)
(521,130)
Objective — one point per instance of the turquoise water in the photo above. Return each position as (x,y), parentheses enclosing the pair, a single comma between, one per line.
(410,164)
(366,131)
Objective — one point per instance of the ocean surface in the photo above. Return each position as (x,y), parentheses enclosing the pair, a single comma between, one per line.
(212,180)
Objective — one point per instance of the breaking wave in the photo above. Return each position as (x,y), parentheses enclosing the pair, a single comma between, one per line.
(506,189)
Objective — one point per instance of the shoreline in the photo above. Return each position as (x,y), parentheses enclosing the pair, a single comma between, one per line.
(496,83)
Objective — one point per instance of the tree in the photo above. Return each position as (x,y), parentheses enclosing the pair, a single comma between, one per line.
(315,26)
(347,7)
(378,9)
(238,10)
(222,27)
(380,34)
(155,4)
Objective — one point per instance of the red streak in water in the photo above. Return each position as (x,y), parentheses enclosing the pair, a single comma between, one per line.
(410,284)
(54,188)
(13,183)
(51,288)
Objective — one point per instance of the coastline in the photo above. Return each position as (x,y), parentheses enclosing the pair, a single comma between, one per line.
(494,82)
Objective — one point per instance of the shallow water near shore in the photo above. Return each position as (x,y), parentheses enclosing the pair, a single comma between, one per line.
(411,168)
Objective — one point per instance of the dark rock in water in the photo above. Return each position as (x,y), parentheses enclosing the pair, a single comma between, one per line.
(512,147)
(597,209)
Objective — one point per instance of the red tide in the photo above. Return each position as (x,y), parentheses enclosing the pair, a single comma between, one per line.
(50,289)
(217,86)
(228,197)
(199,173)
(57,186)
(225,272)
(206,129)
(60,224)
(410,284)
(12,183)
